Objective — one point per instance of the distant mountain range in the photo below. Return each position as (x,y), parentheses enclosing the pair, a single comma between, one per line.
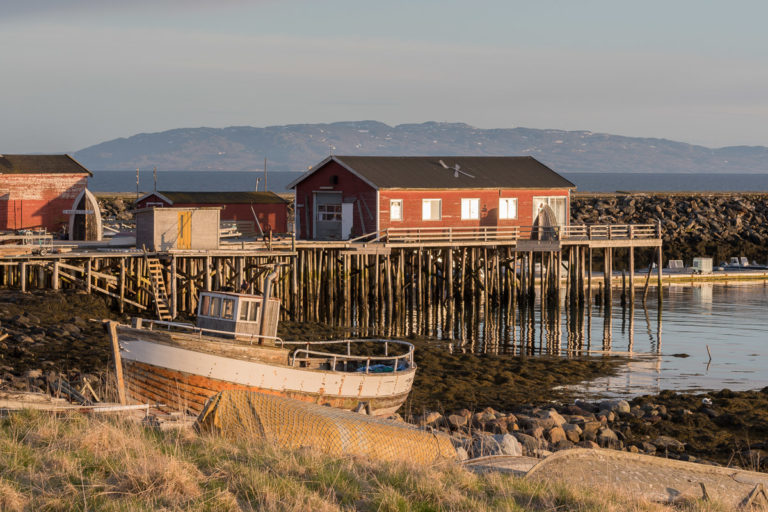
(296,147)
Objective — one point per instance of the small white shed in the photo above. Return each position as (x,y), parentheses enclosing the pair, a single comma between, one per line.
(164,229)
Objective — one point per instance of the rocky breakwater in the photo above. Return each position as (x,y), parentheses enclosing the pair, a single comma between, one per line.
(723,428)
(716,225)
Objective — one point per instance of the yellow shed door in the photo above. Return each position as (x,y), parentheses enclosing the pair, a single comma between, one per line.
(184,241)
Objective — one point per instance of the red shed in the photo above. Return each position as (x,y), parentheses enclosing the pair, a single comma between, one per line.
(268,207)
(347,196)
(36,189)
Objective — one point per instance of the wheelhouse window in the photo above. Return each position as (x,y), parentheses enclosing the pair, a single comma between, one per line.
(215,306)
(249,310)
(431,209)
(228,309)
(470,209)
(329,212)
(396,209)
(205,306)
(508,208)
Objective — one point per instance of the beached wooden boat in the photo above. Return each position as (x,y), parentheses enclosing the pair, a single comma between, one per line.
(234,346)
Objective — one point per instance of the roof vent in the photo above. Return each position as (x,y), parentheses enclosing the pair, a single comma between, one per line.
(456,170)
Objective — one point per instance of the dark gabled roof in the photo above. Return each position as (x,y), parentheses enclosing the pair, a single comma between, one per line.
(426,172)
(221,197)
(41,164)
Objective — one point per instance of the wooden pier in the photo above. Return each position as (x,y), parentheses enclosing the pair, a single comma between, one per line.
(393,283)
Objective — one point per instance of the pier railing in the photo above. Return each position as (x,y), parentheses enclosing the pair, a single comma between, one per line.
(451,234)
(433,235)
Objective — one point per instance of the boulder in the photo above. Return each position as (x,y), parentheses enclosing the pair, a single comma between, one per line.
(457,421)
(509,445)
(553,416)
(556,435)
(572,432)
(607,438)
(669,444)
(615,405)
(431,418)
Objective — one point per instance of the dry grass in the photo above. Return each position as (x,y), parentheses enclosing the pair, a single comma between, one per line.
(83,463)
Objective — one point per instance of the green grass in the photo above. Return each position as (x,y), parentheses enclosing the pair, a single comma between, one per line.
(97,463)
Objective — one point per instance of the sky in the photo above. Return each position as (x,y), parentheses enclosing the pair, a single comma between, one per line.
(79,72)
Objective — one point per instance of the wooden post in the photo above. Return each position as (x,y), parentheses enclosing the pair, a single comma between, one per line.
(174,290)
(207,271)
(23,276)
(631,275)
(122,285)
(55,275)
(660,288)
(88,274)
(118,362)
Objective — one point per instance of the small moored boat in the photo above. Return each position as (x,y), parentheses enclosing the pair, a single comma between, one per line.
(235,346)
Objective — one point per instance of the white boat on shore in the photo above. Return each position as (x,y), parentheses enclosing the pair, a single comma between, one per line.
(234,346)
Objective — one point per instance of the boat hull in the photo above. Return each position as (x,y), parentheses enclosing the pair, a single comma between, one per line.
(183,372)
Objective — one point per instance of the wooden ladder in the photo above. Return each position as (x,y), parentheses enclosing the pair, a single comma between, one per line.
(159,291)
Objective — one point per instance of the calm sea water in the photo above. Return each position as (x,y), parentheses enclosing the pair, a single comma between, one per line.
(125,181)
(670,352)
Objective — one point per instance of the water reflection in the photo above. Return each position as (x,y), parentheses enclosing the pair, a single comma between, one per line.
(668,352)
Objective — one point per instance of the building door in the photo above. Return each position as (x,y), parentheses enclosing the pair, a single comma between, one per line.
(184,240)
(347,220)
(327,216)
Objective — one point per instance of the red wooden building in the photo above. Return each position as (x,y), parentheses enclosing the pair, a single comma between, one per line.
(347,196)
(36,189)
(269,208)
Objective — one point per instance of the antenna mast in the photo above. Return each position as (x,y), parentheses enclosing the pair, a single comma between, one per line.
(265,176)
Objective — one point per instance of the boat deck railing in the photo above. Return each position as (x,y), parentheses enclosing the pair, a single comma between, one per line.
(306,354)
(200,331)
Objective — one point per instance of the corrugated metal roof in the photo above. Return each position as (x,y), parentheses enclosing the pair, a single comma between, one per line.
(41,164)
(223,197)
(474,172)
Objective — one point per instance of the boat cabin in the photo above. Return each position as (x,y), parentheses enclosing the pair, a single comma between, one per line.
(243,315)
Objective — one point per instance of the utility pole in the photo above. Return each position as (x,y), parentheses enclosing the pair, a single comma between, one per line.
(265,174)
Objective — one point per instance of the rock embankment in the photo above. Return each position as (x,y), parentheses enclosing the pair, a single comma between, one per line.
(707,224)
(715,428)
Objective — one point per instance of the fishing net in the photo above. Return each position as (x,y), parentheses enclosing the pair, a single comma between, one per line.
(295,424)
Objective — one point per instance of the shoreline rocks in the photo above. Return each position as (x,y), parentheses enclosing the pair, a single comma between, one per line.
(676,426)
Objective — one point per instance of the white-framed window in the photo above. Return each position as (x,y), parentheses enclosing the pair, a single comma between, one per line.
(329,212)
(396,209)
(507,207)
(559,205)
(431,209)
(470,209)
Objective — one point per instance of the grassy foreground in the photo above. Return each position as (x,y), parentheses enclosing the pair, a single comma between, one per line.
(96,463)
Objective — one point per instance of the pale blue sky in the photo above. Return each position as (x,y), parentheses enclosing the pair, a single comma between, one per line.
(80,72)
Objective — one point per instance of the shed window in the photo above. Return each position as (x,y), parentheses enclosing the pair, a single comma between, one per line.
(470,209)
(431,209)
(396,209)
(508,208)
(205,307)
(329,212)
(559,205)
(244,309)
